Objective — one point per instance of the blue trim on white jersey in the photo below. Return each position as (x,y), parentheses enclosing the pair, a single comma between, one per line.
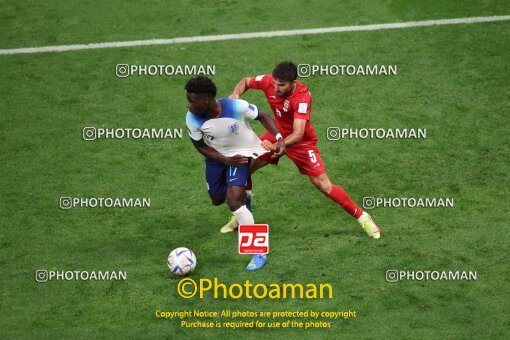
(195,120)
(230,108)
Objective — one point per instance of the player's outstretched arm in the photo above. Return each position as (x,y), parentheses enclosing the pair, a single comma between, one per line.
(240,88)
(209,152)
(297,133)
(294,137)
(270,126)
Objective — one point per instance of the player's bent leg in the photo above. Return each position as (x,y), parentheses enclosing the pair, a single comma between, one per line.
(218,199)
(215,180)
(337,194)
(234,177)
(233,223)
(322,183)
(235,200)
(235,197)
(237,178)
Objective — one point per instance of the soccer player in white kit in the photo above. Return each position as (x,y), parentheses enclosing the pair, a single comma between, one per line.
(220,131)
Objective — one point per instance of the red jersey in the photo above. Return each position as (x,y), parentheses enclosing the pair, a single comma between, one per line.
(298,104)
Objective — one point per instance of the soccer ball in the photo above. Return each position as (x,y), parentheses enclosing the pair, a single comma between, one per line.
(182,261)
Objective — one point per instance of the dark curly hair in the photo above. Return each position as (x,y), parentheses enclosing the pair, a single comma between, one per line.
(201,85)
(286,70)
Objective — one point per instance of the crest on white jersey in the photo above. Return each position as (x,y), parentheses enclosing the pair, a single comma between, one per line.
(234,128)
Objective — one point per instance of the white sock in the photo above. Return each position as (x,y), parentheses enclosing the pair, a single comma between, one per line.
(361,217)
(244,216)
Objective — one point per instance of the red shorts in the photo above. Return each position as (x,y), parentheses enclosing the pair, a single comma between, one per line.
(305,155)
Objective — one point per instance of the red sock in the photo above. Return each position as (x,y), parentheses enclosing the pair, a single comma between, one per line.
(339,195)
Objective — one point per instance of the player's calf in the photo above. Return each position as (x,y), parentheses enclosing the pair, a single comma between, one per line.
(341,197)
(235,197)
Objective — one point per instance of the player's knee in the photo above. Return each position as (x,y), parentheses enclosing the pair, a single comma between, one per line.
(235,198)
(217,200)
(323,185)
(235,203)
(325,188)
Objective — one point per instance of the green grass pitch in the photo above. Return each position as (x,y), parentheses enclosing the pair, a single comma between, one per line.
(452,80)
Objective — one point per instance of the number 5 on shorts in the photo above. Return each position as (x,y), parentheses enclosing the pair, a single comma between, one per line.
(312,156)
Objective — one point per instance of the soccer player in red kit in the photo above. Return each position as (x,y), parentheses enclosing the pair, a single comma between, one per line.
(291,103)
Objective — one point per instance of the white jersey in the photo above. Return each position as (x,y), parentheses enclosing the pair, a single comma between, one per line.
(230,134)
